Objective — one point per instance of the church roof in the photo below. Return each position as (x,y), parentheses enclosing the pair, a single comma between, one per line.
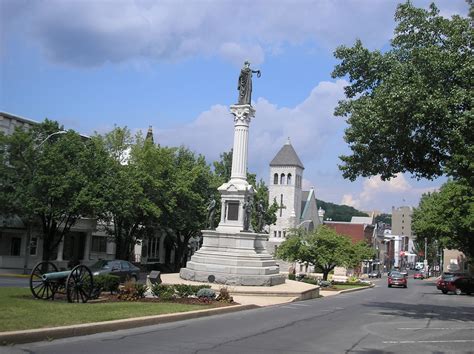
(287,157)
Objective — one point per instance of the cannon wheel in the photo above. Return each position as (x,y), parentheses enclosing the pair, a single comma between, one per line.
(43,289)
(79,284)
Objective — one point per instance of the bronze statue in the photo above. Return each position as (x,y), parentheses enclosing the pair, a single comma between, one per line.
(247,213)
(245,83)
(211,209)
(260,216)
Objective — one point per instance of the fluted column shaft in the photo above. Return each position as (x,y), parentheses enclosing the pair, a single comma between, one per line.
(242,116)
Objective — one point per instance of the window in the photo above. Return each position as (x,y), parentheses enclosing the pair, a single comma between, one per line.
(282,178)
(15,246)
(275,178)
(274,234)
(279,233)
(33,246)
(288,180)
(284,234)
(125,265)
(99,244)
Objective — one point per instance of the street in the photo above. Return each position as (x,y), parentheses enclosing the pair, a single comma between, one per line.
(419,319)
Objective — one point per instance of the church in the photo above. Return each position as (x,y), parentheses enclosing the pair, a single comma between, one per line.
(296,208)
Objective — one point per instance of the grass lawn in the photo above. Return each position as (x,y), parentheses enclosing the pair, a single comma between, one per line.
(19,310)
(348,286)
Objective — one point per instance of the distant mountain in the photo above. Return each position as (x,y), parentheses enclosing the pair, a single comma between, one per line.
(337,212)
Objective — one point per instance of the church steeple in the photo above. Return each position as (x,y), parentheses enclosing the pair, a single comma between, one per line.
(149,135)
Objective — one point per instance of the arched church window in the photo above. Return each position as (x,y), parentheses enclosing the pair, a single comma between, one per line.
(288,179)
(275,178)
(282,178)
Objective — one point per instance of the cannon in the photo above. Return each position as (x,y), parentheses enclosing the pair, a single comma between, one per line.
(46,281)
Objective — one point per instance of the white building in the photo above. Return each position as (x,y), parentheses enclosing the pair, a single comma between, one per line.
(297,208)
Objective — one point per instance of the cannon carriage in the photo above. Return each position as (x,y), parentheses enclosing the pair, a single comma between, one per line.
(46,281)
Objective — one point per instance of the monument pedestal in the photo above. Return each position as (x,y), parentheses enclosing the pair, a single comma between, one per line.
(233,259)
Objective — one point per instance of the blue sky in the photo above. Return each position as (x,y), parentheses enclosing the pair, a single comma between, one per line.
(174,65)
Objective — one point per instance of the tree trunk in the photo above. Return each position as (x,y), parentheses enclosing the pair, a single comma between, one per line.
(325,274)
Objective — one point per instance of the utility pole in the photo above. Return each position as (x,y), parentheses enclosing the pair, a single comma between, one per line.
(426,255)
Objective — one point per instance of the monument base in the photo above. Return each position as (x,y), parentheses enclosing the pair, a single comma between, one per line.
(233,259)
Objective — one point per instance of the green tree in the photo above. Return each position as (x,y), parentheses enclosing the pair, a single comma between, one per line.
(448,217)
(409,109)
(188,188)
(260,200)
(384,218)
(336,212)
(323,248)
(52,180)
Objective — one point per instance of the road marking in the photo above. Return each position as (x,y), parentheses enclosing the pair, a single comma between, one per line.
(438,328)
(429,341)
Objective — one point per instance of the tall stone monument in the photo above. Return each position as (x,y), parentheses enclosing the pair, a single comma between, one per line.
(233,254)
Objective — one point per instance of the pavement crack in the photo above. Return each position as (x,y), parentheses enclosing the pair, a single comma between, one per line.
(287,325)
(357,343)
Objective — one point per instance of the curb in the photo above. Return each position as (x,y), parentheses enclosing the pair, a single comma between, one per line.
(36,335)
(357,289)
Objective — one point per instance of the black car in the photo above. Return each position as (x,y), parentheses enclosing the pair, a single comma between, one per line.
(125,270)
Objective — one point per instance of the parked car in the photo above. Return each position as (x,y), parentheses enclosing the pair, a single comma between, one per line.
(125,270)
(457,284)
(419,275)
(397,279)
(375,274)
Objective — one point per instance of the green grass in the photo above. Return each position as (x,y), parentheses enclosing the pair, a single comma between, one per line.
(20,311)
(348,286)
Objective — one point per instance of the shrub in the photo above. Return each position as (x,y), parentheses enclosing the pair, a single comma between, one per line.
(185,290)
(292,276)
(224,296)
(311,281)
(106,282)
(206,294)
(352,279)
(164,292)
(132,291)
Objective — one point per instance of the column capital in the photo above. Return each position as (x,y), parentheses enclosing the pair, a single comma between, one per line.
(242,113)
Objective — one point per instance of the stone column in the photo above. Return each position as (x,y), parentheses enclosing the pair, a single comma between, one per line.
(242,117)
(60,250)
(87,246)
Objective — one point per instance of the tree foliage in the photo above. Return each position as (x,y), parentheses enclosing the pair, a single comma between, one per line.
(323,248)
(51,179)
(337,212)
(448,217)
(409,109)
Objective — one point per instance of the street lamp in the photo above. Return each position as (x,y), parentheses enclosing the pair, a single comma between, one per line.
(49,136)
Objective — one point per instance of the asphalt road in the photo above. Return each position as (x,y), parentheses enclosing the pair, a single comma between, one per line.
(419,319)
(14,282)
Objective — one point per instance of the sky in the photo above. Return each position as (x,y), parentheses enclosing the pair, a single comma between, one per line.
(174,65)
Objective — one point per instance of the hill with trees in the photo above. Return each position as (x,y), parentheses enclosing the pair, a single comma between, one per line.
(337,212)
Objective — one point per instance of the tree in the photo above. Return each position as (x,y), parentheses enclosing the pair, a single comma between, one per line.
(384,219)
(188,188)
(52,180)
(269,211)
(409,109)
(323,248)
(448,217)
(336,212)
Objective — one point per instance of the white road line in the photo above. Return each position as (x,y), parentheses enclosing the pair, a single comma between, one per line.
(429,341)
(438,328)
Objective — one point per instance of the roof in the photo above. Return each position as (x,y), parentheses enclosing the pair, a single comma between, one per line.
(287,157)
(362,220)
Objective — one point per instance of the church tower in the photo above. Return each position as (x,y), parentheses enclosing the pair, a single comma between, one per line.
(286,177)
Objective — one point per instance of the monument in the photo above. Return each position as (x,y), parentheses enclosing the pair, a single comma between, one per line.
(233,254)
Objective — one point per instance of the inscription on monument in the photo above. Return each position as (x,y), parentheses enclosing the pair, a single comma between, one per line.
(233,211)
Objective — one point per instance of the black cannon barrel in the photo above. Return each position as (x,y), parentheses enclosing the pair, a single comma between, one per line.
(56,275)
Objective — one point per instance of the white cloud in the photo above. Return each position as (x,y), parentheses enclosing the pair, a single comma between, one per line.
(378,194)
(88,33)
(309,125)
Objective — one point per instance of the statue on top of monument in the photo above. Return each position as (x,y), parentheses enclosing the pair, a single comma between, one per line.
(245,83)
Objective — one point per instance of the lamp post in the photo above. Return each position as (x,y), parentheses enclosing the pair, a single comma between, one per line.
(28,230)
